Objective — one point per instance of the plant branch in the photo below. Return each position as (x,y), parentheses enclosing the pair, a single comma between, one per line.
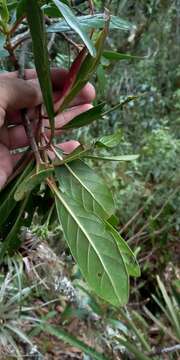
(16,25)
(164,350)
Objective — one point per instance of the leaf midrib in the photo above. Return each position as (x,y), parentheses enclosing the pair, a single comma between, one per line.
(90,242)
(83,185)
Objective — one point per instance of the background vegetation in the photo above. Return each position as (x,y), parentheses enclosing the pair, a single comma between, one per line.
(50,297)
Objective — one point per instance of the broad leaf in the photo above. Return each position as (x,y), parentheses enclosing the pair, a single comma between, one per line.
(94,249)
(110,141)
(31,181)
(113,158)
(86,187)
(86,118)
(74,24)
(36,24)
(88,22)
(127,254)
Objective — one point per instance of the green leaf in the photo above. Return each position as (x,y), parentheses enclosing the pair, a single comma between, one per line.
(36,24)
(101,77)
(113,55)
(4,13)
(74,24)
(73,341)
(170,308)
(78,153)
(12,241)
(7,200)
(94,249)
(86,118)
(88,22)
(87,68)
(122,103)
(113,158)
(31,181)
(84,185)
(110,141)
(20,9)
(127,254)
(133,349)
(3,52)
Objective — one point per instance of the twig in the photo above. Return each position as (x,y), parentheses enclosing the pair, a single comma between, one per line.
(132,219)
(70,41)
(165,350)
(30,135)
(16,25)
(91,7)
(51,41)
(21,39)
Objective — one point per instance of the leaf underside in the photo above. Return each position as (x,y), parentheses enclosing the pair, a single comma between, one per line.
(95,250)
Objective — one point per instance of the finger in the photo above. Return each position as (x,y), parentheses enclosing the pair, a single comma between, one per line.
(58,77)
(15,137)
(69,146)
(67,116)
(17,94)
(6,165)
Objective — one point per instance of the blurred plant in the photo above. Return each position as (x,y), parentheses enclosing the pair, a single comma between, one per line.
(16,318)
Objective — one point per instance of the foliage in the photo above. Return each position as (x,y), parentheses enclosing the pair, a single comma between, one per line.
(81,215)
(140,60)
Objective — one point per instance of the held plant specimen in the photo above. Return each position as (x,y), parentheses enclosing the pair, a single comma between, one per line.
(83,203)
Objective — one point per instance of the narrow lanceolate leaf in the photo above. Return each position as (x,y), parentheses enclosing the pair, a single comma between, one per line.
(71,78)
(75,25)
(113,55)
(86,118)
(94,249)
(31,181)
(7,200)
(3,52)
(89,22)
(87,68)
(86,188)
(110,141)
(78,153)
(36,24)
(113,158)
(4,13)
(12,241)
(72,340)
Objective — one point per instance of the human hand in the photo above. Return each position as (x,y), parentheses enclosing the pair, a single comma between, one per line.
(16,94)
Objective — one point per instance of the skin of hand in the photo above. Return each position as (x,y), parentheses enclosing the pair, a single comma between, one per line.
(16,94)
